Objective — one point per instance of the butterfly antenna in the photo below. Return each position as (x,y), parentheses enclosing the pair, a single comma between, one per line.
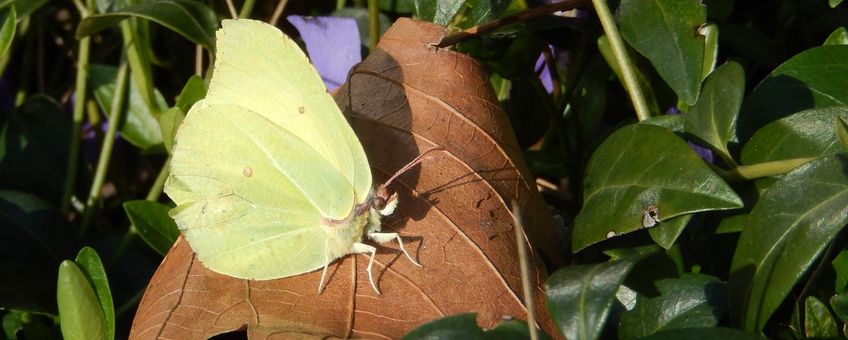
(409,165)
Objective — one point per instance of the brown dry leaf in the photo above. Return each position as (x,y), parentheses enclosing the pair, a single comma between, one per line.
(404,99)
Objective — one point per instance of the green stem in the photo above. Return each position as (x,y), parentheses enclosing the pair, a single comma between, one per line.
(373,23)
(754,171)
(247,9)
(620,52)
(156,188)
(106,150)
(139,67)
(340,4)
(78,114)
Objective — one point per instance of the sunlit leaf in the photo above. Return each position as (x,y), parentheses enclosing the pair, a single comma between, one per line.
(639,166)
(580,297)
(788,228)
(79,310)
(663,31)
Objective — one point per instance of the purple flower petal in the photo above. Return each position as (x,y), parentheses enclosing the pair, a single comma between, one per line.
(544,72)
(333,45)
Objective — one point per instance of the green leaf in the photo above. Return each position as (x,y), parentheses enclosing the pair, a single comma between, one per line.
(191,19)
(842,132)
(840,267)
(692,301)
(140,126)
(664,31)
(483,11)
(810,133)
(647,90)
(789,227)
(834,3)
(33,148)
(839,36)
(710,33)
(194,90)
(438,11)
(704,334)
(839,303)
(90,265)
(673,123)
(8,22)
(713,118)
(814,78)
(667,233)
(464,326)
(24,7)
(33,241)
(818,323)
(732,224)
(580,297)
(169,121)
(153,223)
(12,324)
(79,310)
(640,166)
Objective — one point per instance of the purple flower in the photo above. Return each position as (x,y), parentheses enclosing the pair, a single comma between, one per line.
(333,45)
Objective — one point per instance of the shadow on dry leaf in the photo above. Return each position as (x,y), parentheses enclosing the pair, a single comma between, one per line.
(405,98)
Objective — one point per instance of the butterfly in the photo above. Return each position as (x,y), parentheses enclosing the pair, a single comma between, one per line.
(268,177)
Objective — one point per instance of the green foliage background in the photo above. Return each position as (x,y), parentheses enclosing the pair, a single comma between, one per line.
(729,117)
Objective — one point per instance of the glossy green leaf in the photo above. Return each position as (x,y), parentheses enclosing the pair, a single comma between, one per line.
(710,33)
(640,166)
(153,224)
(12,324)
(464,326)
(90,265)
(704,334)
(789,227)
(169,121)
(664,32)
(810,133)
(842,131)
(194,90)
(840,268)
(673,123)
(692,301)
(713,118)
(732,224)
(814,78)
(33,241)
(24,8)
(191,19)
(8,22)
(839,303)
(140,127)
(580,297)
(666,233)
(79,310)
(438,11)
(482,11)
(26,325)
(838,37)
(834,3)
(33,148)
(818,323)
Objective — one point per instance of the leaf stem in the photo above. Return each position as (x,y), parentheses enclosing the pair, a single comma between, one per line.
(247,9)
(78,114)
(139,66)
(278,11)
(754,171)
(373,24)
(620,53)
(106,150)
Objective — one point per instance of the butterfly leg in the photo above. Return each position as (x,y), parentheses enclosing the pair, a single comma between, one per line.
(387,237)
(362,248)
(326,263)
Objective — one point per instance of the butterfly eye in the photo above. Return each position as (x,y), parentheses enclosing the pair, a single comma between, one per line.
(379,203)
